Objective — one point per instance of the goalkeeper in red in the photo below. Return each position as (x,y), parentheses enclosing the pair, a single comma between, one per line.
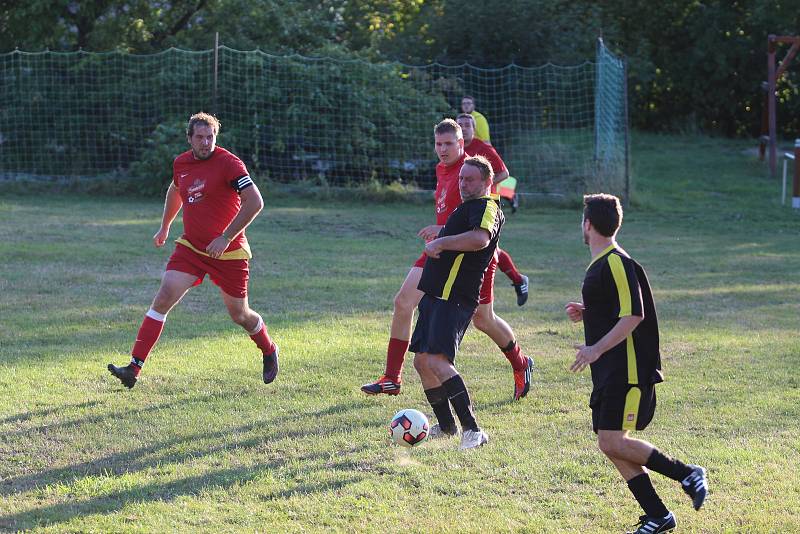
(219,200)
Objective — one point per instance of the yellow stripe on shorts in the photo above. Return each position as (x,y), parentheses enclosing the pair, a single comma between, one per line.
(631,413)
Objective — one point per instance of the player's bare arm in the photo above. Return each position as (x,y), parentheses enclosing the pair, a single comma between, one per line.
(591,353)
(172,205)
(430,232)
(252,204)
(500,176)
(471,241)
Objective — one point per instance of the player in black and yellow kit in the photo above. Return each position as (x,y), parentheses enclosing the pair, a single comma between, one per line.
(451,282)
(621,332)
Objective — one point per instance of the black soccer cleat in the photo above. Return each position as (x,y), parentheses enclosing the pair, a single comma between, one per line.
(522,290)
(270,366)
(653,525)
(125,374)
(696,486)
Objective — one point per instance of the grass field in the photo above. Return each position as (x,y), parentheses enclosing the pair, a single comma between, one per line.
(201,444)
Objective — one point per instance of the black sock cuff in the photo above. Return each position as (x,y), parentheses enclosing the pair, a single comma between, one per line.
(669,467)
(436,395)
(454,386)
(510,346)
(636,481)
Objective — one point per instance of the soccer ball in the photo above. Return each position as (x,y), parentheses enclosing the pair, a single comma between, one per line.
(408,428)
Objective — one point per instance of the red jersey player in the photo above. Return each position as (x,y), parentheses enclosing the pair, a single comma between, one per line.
(475,147)
(449,145)
(219,201)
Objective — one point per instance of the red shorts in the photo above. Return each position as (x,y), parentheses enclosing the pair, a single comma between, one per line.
(487,289)
(230,275)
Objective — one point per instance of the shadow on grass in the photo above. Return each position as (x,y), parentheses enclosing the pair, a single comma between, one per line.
(28,415)
(246,437)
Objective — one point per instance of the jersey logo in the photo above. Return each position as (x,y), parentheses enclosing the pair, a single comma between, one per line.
(441,206)
(184,174)
(195,191)
(631,416)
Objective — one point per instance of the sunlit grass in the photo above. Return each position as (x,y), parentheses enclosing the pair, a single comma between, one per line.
(201,444)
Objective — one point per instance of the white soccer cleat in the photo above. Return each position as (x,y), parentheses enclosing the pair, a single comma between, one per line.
(473,438)
(437,432)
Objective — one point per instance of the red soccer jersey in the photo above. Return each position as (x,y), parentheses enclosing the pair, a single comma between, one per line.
(479,148)
(209,189)
(448,197)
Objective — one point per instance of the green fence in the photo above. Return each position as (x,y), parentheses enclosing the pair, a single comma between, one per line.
(292,118)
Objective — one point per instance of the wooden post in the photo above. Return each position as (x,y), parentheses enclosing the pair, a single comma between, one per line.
(771,82)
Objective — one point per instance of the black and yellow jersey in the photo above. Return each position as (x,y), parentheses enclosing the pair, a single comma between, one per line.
(458,276)
(616,286)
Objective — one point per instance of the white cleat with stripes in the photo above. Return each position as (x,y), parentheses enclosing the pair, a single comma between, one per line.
(653,525)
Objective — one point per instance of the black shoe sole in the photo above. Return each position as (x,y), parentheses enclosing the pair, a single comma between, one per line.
(127,381)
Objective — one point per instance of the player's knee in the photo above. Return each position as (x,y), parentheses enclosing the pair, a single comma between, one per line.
(403,303)
(240,317)
(609,445)
(482,321)
(421,364)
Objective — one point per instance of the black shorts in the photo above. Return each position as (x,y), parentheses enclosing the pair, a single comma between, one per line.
(623,407)
(440,326)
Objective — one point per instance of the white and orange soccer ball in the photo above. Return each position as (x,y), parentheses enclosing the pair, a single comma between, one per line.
(409,427)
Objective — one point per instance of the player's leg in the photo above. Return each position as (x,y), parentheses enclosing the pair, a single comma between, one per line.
(627,456)
(518,280)
(500,332)
(446,326)
(616,411)
(174,285)
(241,314)
(405,301)
(437,397)
(471,434)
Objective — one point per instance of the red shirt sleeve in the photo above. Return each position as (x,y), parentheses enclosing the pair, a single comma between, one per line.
(495,160)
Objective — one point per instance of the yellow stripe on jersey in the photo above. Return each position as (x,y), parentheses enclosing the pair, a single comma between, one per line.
(631,413)
(489,216)
(630,350)
(605,251)
(621,280)
(238,254)
(625,309)
(448,286)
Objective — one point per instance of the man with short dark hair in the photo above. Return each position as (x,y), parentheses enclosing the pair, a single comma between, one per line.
(219,201)
(622,349)
(475,147)
(449,146)
(456,263)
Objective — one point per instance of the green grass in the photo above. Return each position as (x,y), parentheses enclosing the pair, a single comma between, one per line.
(201,444)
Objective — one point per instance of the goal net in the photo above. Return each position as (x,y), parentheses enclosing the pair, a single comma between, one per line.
(562,130)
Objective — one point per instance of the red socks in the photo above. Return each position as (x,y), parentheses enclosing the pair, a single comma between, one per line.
(515,357)
(506,264)
(395,355)
(148,335)
(261,338)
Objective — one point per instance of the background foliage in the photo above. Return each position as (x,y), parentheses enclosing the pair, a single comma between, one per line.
(693,65)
